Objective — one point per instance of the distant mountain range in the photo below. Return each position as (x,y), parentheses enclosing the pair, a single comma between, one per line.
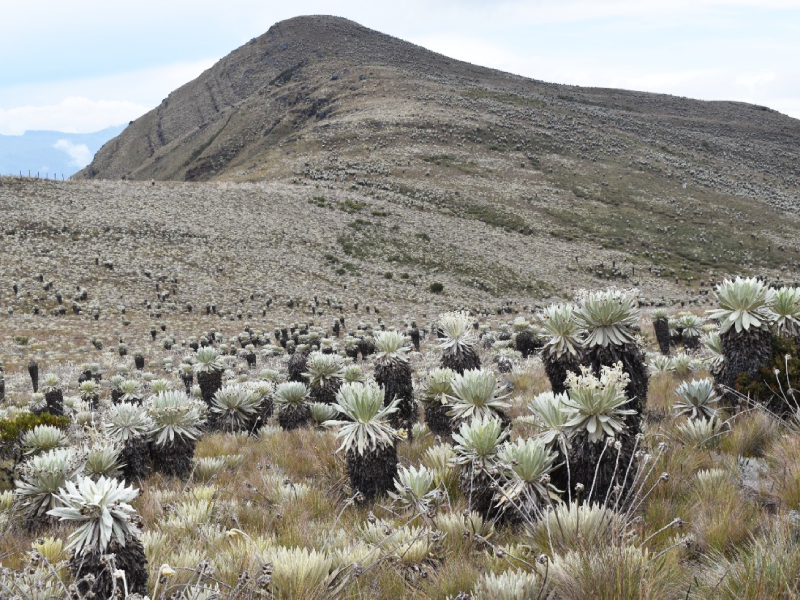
(51,153)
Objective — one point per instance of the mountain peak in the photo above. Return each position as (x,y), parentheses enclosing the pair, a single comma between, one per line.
(251,84)
(318,90)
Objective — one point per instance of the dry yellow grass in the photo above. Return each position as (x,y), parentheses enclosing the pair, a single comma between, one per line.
(784,459)
(283,489)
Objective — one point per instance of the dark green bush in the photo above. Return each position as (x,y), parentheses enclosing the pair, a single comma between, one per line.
(772,387)
(437,287)
(10,429)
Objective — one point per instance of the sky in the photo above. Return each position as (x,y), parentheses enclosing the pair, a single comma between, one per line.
(83,65)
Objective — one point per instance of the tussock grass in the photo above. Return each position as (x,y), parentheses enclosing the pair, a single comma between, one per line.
(529,379)
(752,434)
(784,460)
(455,576)
(661,392)
(766,567)
(618,571)
(304,453)
(721,517)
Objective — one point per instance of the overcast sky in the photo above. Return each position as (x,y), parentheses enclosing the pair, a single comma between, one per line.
(82,65)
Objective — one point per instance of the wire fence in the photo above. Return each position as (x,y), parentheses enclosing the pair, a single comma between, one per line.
(37,175)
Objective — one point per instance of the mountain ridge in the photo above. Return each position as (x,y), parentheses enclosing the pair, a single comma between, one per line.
(636,187)
(289,47)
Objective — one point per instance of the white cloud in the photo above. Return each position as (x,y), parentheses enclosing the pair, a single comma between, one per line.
(777,88)
(471,50)
(71,115)
(570,11)
(79,153)
(91,104)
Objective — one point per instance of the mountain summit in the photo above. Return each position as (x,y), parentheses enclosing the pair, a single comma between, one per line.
(302,71)
(316,82)
(607,184)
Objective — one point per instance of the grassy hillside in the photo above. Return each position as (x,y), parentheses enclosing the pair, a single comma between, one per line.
(610,185)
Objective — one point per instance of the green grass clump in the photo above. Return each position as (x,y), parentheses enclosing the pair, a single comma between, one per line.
(10,429)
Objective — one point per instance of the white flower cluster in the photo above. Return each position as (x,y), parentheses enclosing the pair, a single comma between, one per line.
(595,404)
(617,293)
(609,376)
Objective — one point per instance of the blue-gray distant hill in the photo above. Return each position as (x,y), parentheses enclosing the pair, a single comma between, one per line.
(54,153)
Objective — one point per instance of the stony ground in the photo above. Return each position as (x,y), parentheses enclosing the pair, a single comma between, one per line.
(250,249)
(131,258)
